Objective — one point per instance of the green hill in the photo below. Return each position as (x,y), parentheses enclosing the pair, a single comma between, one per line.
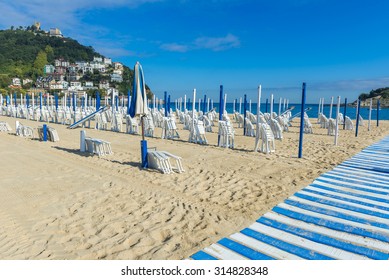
(25,51)
(381,94)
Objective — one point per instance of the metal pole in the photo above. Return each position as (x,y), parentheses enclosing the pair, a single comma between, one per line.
(165,104)
(257,125)
(267,101)
(97,100)
(44,132)
(371,106)
(244,114)
(357,122)
(279,106)
(378,112)
(344,113)
(56,101)
(221,106)
(271,105)
(332,101)
(168,103)
(318,111)
(300,151)
(337,121)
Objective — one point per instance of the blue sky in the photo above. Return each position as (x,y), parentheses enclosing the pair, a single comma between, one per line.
(336,47)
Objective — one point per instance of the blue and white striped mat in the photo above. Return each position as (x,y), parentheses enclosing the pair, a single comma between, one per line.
(343,214)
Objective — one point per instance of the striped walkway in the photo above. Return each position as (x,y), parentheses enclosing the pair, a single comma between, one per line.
(343,214)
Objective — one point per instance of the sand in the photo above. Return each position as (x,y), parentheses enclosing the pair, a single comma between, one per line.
(56,203)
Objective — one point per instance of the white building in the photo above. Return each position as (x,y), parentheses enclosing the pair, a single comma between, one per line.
(16,82)
(104,85)
(97,59)
(107,61)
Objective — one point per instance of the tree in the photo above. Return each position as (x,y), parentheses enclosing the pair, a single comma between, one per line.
(50,53)
(39,63)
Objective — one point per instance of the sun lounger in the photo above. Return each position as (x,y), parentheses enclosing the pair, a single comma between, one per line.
(160,160)
(24,131)
(5,126)
(98,147)
(169,129)
(226,134)
(349,124)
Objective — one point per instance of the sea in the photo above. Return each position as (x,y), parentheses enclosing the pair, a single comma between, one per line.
(312,112)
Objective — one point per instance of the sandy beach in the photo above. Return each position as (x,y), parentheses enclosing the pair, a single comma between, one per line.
(57,203)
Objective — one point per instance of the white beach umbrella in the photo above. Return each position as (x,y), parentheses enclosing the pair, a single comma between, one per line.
(139,97)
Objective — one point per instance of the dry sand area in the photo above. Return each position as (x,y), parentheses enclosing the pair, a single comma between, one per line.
(56,203)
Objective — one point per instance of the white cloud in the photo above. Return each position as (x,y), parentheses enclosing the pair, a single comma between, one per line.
(174,47)
(212,43)
(217,43)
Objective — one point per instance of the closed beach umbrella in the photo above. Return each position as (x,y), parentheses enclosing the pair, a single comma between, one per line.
(139,99)
(139,106)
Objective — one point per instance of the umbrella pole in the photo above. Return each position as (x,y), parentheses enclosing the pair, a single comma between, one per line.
(143,127)
(143,146)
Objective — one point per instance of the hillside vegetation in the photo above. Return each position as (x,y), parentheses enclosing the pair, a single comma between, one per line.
(25,51)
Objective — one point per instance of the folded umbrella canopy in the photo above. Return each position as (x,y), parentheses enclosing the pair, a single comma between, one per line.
(139,99)
(139,106)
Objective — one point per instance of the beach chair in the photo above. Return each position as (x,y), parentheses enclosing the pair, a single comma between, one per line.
(197,133)
(240,120)
(331,127)
(149,125)
(5,127)
(276,129)
(226,134)
(268,143)
(249,131)
(169,129)
(179,168)
(98,147)
(160,160)
(323,121)
(360,120)
(307,126)
(207,124)
(53,134)
(117,122)
(24,131)
(349,124)
(132,126)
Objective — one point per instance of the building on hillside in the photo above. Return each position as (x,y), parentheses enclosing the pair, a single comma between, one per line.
(118,66)
(116,78)
(48,69)
(75,86)
(16,83)
(59,73)
(55,32)
(118,71)
(88,85)
(103,85)
(107,61)
(98,66)
(60,62)
(27,81)
(97,59)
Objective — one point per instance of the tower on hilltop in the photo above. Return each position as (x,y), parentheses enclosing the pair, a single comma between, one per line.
(37,25)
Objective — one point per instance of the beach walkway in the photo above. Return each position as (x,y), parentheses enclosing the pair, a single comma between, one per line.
(343,214)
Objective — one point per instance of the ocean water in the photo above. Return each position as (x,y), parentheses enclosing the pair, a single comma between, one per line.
(312,113)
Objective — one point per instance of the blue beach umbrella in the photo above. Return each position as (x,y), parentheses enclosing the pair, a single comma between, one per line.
(139,106)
